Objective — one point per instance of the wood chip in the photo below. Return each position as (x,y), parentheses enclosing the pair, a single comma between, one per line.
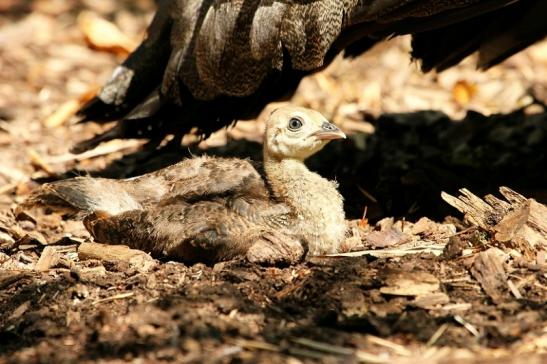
(91,274)
(324,347)
(396,348)
(410,284)
(106,148)
(20,310)
(136,258)
(31,238)
(386,238)
(6,241)
(365,357)
(437,335)
(49,258)
(421,247)
(259,345)
(72,317)
(67,110)
(468,326)
(488,269)
(520,222)
(514,290)
(9,277)
(430,301)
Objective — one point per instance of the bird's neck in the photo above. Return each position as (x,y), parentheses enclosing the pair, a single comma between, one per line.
(286,177)
(315,201)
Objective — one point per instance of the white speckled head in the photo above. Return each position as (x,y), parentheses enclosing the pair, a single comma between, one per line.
(297,133)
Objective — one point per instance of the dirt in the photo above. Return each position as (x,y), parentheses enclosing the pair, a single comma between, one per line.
(413,295)
(235,311)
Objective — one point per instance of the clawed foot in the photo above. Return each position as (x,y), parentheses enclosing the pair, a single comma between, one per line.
(274,248)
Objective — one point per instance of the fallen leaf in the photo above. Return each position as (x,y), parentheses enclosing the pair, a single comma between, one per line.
(463,91)
(103,35)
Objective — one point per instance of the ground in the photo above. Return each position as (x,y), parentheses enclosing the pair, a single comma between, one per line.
(426,284)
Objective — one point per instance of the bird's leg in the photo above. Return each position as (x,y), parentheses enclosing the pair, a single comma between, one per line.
(273,248)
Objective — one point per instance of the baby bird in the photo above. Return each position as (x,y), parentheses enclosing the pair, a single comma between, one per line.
(209,209)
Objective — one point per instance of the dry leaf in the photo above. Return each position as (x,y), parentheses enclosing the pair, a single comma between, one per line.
(67,110)
(62,114)
(103,35)
(463,92)
(37,161)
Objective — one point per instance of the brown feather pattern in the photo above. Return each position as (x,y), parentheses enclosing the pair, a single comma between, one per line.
(207,63)
(210,209)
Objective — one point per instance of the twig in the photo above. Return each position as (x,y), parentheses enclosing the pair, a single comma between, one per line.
(103,149)
(255,344)
(472,329)
(327,348)
(365,357)
(514,290)
(436,250)
(115,297)
(367,194)
(440,331)
(398,349)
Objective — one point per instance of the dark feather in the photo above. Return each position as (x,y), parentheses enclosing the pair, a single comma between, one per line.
(208,63)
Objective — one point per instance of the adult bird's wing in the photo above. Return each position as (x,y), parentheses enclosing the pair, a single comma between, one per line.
(207,63)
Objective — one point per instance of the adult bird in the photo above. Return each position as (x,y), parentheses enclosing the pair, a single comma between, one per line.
(207,63)
(209,209)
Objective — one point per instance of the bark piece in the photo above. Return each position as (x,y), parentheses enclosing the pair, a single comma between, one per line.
(410,284)
(488,268)
(136,258)
(432,300)
(382,239)
(9,277)
(519,222)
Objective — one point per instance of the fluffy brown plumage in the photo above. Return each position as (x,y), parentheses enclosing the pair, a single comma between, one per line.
(209,209)
(206,63)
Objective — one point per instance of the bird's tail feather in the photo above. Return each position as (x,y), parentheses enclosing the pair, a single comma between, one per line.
(83,195)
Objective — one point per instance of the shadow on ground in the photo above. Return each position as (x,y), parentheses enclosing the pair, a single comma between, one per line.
(401,169)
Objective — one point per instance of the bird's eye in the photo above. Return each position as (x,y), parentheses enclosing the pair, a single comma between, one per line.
(295,124)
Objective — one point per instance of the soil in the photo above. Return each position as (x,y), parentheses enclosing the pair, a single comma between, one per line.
(416,290)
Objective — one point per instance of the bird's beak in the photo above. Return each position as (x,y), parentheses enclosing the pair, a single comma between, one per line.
(329,131)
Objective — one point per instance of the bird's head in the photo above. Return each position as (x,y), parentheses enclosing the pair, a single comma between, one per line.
(297,133)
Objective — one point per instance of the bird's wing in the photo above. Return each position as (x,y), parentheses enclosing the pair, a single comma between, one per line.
(191,180)
(138,76)
(200,178)
(233,46)
(211,48)
(495,35)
